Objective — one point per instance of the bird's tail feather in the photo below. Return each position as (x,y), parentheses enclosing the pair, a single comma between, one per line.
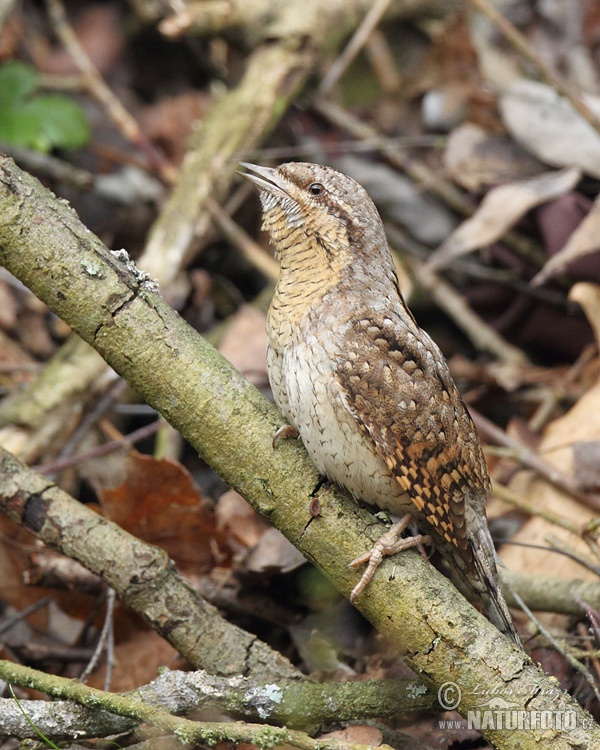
(496,609)
(487,587)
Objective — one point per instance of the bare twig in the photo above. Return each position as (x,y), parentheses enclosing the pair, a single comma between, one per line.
(483,336)
(593,616)
(575,663)
(512,499)
(560,545)
(245,244)
(10,622)
(102,450)
(354,46)
(97,86)
(105,642)
(531,459)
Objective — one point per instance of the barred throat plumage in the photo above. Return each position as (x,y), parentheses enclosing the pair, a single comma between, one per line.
(368,391)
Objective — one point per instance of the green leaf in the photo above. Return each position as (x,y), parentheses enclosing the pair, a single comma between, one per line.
(61,122)
(19,129)
(40,122)
(17,81)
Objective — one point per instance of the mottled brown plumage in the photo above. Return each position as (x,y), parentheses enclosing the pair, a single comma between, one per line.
(368,391)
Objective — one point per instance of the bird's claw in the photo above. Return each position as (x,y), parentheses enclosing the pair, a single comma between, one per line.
(387,544)
(285,431)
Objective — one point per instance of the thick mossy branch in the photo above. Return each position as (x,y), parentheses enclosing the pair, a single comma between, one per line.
(443,638)
(297,705)
(142,575)
(193,733)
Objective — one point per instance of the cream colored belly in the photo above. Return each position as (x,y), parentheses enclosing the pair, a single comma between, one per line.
(309,397)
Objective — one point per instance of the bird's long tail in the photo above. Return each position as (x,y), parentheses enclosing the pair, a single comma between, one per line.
(487,587)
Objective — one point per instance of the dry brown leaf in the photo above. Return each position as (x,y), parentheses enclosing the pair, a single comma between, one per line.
(236,518)
(137,661)
(501,208)
(584,240)
(360,734)
(557,450)
(477,159)
(16,544)
(547,126)
(581,423)
(20,553)
(170,120)
(245,344)
(160,503)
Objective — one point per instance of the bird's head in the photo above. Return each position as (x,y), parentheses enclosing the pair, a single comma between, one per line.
(317,215)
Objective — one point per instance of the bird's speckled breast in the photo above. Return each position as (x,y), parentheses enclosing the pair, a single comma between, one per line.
(307,393)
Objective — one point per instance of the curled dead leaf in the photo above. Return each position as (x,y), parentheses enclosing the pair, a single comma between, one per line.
(501,209)
(584,240)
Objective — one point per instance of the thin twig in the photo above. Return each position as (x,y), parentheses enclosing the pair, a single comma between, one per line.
(531,460)
(381,58)
(354,46)
(97,86)
(593,616)
(577,665)
(115,388)
(10,622)
(51,166)
(346,146)
(104,641)
(244,243)
(588,651)
(560,545)
(102,450)
(504,494)
(483,336)
(473,268)
(570,554)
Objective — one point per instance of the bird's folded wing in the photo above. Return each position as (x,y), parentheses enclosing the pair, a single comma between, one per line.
(397,386)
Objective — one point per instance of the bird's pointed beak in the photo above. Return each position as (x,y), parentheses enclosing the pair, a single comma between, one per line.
(264,178)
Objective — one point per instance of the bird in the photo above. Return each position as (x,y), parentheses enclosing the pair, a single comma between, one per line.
(366,389)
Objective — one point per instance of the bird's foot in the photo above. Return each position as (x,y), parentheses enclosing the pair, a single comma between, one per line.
(285,431)
(387,544)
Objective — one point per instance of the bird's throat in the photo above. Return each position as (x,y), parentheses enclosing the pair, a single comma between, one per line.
(304,280)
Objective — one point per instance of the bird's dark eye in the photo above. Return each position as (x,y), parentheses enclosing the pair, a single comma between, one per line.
(316,188)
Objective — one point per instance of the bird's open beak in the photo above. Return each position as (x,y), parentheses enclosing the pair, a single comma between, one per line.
(264,177)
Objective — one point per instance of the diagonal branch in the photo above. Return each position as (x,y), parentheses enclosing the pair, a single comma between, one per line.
(443,638)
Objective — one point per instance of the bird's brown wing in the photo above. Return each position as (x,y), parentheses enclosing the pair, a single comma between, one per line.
(395,382)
